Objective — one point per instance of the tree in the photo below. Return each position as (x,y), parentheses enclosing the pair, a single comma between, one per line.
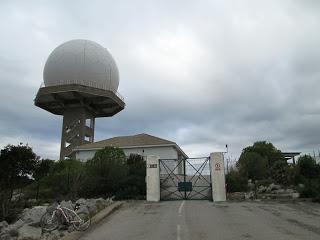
(252,165)
(16,163)
(263,160)
(267,150)
(308,167)
(135,184)
(65,178)
(42,169)
(74,172)
(235,182)
(105,172)
(308,173)
(280,172)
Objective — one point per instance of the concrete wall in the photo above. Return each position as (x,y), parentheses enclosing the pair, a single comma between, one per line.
(161,152)
(218,177)
(85,155)
(153,179)
(166,152)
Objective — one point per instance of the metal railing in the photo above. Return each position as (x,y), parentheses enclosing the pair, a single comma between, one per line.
(88,84)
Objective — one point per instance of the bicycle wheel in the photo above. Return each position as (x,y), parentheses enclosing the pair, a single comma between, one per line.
(49,222)
(81,221)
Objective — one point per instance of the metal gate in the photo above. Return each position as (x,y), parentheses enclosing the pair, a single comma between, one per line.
(185,179)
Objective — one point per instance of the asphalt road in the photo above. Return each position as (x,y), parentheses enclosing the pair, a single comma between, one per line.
(199,220)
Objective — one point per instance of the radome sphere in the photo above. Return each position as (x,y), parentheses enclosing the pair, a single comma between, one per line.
(81,62)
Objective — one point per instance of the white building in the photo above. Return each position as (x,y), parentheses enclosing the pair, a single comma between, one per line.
(142,144)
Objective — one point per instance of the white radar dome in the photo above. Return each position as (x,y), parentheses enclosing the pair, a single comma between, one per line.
(81,62)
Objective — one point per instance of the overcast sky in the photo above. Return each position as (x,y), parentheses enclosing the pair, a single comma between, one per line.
(200,73)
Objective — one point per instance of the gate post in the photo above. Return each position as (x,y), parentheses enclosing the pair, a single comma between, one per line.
(218,177)
(153,179)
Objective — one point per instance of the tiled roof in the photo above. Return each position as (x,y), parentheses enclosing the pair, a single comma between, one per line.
(127,141)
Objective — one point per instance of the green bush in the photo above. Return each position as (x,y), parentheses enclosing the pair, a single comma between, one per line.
(308,173)
(308,168)
(109,173)
(262,161)
(65,178)
(134,186)
(264,182)
(105,173)
(280,172)
(253,166)
(311,189)
(266,150)
(17,164)
(317,198)
(235,182)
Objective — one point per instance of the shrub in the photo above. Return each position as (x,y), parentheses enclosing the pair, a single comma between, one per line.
(311,189)
(65,178)
(134,186)
(280,172)
(17,164)
(264,182)
(308,168)
(235,182)
(105,173)
(252,165)
(308,173)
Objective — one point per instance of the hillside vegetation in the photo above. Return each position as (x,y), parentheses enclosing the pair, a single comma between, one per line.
(263,164)
(27,180)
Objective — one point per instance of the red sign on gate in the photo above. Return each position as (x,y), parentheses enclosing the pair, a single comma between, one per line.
(217,167)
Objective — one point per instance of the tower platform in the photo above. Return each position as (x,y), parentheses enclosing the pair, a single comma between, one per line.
(79,105)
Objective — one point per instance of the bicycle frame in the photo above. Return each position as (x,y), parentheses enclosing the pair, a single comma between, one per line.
(63,211)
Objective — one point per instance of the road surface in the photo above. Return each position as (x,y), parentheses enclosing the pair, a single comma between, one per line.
(200,220)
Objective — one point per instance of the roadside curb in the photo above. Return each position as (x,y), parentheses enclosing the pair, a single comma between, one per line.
(94,220)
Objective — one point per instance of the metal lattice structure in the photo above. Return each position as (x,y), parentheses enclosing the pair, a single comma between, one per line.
(194,183)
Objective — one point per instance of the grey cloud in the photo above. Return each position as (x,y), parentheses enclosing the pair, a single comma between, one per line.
(202,74)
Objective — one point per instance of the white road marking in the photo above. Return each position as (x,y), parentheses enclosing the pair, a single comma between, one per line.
(178,232)
(180,208)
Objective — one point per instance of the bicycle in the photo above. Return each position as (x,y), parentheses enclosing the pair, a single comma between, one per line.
(50,220)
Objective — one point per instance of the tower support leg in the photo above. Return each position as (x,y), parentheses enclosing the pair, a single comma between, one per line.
(75,131)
